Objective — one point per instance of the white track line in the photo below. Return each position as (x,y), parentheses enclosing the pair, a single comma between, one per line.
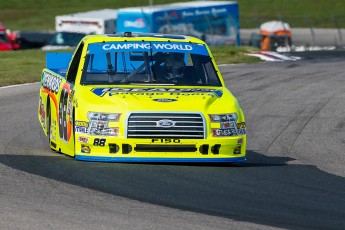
(12,86)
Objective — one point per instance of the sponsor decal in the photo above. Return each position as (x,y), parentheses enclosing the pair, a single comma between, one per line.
(184,92)
(85,148)
(220,11)
(53,130)
(147,46)
(51,82)
(83,139)
(166,123)
(62,22)
(82,123)
(164,100)
(42,113)
(81,129)
(168,46)
(187,14)
(241,125)
(202,12)
(224,132)
(177,47)
(230,129)
(139,23)
(119,46)
(241,128)
(175,15)
(240,141)
(227,124)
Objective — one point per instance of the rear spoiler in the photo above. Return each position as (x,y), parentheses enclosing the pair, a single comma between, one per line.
(58,62)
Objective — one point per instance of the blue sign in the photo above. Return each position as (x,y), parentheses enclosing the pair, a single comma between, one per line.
(216,23)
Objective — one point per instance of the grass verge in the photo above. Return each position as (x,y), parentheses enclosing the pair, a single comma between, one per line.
(234,54)
(22,66)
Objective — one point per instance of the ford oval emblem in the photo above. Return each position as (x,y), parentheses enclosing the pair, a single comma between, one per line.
(165,123)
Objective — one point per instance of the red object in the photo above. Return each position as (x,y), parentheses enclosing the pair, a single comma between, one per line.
(12,36)
(5,43)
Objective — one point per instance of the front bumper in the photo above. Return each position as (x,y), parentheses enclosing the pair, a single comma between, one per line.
(225,149)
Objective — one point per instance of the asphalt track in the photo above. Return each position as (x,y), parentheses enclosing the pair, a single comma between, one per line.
(293,179)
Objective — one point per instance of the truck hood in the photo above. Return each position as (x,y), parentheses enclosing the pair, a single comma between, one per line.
(216,99)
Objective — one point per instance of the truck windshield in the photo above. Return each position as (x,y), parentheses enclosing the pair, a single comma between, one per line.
(149,63)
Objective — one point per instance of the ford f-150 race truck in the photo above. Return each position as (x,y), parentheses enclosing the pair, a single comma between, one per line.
(134,97)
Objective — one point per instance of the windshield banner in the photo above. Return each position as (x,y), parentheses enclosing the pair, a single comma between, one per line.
(151,91)
(176,47)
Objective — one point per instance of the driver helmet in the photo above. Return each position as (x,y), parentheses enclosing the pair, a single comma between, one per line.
(175,67)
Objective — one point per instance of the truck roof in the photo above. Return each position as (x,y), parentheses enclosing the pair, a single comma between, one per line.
(176,6)
(105,14)
(136,36)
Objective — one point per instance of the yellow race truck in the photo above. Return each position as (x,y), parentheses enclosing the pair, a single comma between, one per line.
(135,97)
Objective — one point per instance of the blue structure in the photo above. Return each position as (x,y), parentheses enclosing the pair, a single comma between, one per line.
(215,22)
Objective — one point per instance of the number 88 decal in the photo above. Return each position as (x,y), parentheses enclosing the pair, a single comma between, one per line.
(99,142)
(65,113)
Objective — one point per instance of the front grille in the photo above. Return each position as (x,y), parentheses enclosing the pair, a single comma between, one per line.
(145,125)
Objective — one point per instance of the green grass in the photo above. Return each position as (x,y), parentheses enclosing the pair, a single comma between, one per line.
(25,66)
(298,13)
(40,14)
(19,67)
(233,54)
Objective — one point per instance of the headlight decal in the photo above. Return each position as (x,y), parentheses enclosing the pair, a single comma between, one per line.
(228,125)
(230,117)
(99,123)
(103,116)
